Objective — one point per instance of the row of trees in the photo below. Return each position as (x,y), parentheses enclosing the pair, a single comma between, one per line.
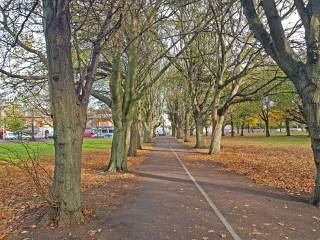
(243,56)
(199,58)
(112,50)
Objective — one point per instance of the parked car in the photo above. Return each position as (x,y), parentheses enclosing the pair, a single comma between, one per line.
(24,136)
(103,133)
(10,136)
(88,133)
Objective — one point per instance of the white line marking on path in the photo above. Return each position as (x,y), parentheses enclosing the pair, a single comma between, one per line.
(225,222)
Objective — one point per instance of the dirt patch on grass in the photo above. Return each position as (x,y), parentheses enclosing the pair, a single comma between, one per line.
(288,167)
(21,207)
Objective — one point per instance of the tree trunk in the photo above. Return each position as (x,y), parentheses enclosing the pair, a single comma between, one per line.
(287,121)
(173,130)
(232,127)
(163,129)
(242,130)
(134,139)
(199,134)
(123,110)
(147,134)
(186,128)
(315,144)
(139,145)
(154,131)
(118,150)
(179,132)
(207,131)
(217,126)
(312,113)
(67,173)
(223,130)
(248,128)
(32,128)
(69,117)
(267,128)
(191,131)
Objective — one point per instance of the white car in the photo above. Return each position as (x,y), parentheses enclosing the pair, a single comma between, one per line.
(24,136)
(10,136)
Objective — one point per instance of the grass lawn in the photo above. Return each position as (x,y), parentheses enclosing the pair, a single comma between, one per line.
(46,149)
(277,138)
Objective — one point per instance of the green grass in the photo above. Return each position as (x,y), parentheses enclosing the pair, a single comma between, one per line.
(297,138)
(46,149)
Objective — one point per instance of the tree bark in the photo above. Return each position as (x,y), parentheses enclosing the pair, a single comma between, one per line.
(179,132)
(217,126)
(69,116)
(123,110)
(32,128)
(134,139)
(312,112)
(199,134)
(287,121)
(191,131)
(139,145)
(118,151)
(232,127)
(207,131)
(147,133)
(173,130)
(267,128)
(242,130)
(186,128)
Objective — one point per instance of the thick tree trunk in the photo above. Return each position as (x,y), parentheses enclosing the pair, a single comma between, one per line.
(287,121)
(315,143)
(217,126)
(199,134)
(312,113)
(118,151)
(67,174)
(69,116)
(123,110)
(134,139)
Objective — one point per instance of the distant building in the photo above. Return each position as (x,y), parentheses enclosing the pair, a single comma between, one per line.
(95,122)
(99,118)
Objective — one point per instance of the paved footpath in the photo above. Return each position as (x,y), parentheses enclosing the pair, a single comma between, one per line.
(182,200)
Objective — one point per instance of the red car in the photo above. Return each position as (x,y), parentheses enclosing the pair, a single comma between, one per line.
(88,133)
